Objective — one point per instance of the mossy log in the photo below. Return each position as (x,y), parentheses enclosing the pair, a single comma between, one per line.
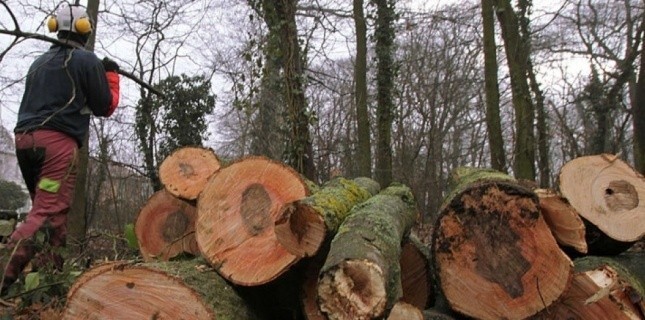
(186,170)
(361,276)
(610,195)
(493,254)
(304,224)
(604,288)
(158,290)
(237,211)
(563,220)
(165,227)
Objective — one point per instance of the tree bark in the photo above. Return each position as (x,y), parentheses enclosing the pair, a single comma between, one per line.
(165,227)
(237,211)
(361,275)
(364,149)
(119,290)
(608,193)
(186,170)
(563,220)
(493,254)
(304,224)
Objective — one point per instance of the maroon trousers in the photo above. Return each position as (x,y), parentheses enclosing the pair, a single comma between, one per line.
(48,162)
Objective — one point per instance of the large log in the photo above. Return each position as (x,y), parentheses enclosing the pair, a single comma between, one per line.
(361,275)
(604,288)
(237,211)
(165,227)
(163,290)
(565,223)
(493,254)
(186,170)
(304,224)
(610,195)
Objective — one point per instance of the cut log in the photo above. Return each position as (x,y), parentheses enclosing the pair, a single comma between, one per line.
(405,311)
(416,277)
(237,211)
(608,193)
(165,290)
(165,227)
(186,170)
(604,288)
(304,224)
(361,275)
(565,223)
(431,314)
(493,254)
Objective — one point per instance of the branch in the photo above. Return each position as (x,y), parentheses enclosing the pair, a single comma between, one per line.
(17,33)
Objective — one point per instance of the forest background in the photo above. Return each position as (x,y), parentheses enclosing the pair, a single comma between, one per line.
(395,90)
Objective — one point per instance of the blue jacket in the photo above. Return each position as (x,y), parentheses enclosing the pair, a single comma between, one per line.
(56,96)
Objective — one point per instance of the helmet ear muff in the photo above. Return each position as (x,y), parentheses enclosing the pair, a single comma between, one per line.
(52,24)
(83,25)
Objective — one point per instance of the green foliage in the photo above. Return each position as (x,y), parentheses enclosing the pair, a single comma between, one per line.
(12,195)
(178,119)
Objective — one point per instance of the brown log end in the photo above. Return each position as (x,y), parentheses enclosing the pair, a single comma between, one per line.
(352,290)
(607,192)
(165,227)
(405,311)
(300,229)
(416,281)
(494,254)
(185,171)
(237,211)
(598,294)
(563,220)
(141,293)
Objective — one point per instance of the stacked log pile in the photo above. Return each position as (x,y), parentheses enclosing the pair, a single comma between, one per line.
(266,245)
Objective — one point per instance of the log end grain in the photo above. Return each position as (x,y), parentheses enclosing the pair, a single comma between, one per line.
(185,171)
(300,229)
(353,290)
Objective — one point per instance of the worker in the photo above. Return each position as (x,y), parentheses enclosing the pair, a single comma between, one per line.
(64,86)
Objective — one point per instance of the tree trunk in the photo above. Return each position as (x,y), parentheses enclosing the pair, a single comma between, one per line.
(364,149)
(604,288)
(303,225)
(493,254)
(493,119)
(638,110)
(169,290)
(237,211)
(607,193)
(186,170)
(563,220)
(361,275)
(165,227)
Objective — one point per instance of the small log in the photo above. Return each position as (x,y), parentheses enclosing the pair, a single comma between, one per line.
(604,288)
(165,227)
(237,211)
(405,311)
(493,254)
(565,223)
(304,224)
(186,170)
(361,276)
(431,314)
(163,290)
(416,277)
(609,194)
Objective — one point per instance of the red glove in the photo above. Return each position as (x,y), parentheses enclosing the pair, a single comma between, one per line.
(113,83)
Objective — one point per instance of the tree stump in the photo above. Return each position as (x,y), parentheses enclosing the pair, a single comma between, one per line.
(610,195)
(304,224)
(565,223)
(186,170)
(493,254)
(165,227)
(165,290)
(237,211)
(361,275)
